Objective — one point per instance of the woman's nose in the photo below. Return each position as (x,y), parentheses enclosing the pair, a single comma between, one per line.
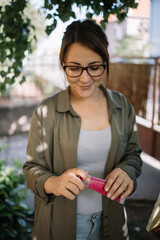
(85,77)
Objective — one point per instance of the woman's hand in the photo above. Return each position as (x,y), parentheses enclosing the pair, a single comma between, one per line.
(118,184)
(68,184)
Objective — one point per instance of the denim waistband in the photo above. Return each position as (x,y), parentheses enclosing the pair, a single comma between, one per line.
(91,215)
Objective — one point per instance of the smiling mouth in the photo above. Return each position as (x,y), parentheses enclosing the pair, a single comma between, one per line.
(85,87)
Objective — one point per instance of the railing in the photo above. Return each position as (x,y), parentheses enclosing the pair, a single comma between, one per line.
(139,80)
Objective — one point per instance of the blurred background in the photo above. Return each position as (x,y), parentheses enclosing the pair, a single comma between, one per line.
(134,47)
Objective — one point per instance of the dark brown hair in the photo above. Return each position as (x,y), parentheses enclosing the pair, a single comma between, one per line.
(88,33)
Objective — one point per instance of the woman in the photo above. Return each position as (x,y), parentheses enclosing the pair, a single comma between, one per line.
(85,129)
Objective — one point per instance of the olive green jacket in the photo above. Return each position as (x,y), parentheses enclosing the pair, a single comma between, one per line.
(52,149)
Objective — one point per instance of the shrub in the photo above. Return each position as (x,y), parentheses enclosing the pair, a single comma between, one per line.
(15,217)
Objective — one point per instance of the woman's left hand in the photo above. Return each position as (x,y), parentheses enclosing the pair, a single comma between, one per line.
(118,184)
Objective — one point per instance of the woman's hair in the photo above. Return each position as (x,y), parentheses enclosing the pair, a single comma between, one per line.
(89,34)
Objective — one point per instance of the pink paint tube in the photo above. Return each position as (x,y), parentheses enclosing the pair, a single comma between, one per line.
(97,184)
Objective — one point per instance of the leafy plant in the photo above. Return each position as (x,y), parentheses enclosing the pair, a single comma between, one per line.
(63,10)
(15,217)
(18,36)
(17,31)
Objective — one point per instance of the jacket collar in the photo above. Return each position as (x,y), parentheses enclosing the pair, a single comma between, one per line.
(113,100)
(64,105)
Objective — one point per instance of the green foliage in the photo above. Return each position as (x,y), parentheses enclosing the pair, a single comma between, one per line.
(17,37)
(18,32)
(15,217)
(63,9)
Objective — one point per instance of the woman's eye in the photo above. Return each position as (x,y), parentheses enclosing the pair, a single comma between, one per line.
(94,68)
(74,69)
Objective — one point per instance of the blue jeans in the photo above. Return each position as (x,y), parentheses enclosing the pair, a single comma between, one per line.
(89,227)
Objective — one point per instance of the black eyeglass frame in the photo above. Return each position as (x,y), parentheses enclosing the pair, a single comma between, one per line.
(84,68)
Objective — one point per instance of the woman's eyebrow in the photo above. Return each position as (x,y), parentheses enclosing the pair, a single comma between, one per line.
(74,63)
(91,63)
(95,62)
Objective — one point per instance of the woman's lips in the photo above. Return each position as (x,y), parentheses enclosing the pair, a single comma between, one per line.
(85,87)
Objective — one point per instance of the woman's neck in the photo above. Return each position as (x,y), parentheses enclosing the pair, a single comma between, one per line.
(98,94)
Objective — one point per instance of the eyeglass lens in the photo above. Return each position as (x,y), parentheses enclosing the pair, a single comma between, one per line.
(76,71)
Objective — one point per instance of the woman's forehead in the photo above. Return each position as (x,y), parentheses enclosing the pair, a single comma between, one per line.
(81,54)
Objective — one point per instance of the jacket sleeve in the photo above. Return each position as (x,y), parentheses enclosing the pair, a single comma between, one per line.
(37,168)
(131,161)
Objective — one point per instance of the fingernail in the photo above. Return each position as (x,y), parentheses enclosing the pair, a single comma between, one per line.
(122,197)
(109,195)
(106,189)
(113,198)
(88,179)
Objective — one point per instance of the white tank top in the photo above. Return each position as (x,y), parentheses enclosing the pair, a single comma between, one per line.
(93,149)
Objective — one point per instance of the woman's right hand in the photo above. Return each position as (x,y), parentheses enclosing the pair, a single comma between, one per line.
(68,184)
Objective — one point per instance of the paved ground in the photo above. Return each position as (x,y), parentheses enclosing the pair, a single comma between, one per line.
(139,206)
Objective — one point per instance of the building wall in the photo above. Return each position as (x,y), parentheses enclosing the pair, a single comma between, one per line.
(155,28)
(136,24)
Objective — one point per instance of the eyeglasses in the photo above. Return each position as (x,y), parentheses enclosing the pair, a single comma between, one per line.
(93,70)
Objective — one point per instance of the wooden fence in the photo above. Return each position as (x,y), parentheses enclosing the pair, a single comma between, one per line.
(139,81)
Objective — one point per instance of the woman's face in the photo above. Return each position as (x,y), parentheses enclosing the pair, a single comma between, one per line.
(84,85)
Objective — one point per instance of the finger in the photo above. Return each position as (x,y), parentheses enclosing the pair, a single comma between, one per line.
(115,186)
(79,183)
(110,180)
(128,191)
(76,177)
(81,173)
(73,188)
(66,193)
(112,177)
(76,181)
(119,191)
